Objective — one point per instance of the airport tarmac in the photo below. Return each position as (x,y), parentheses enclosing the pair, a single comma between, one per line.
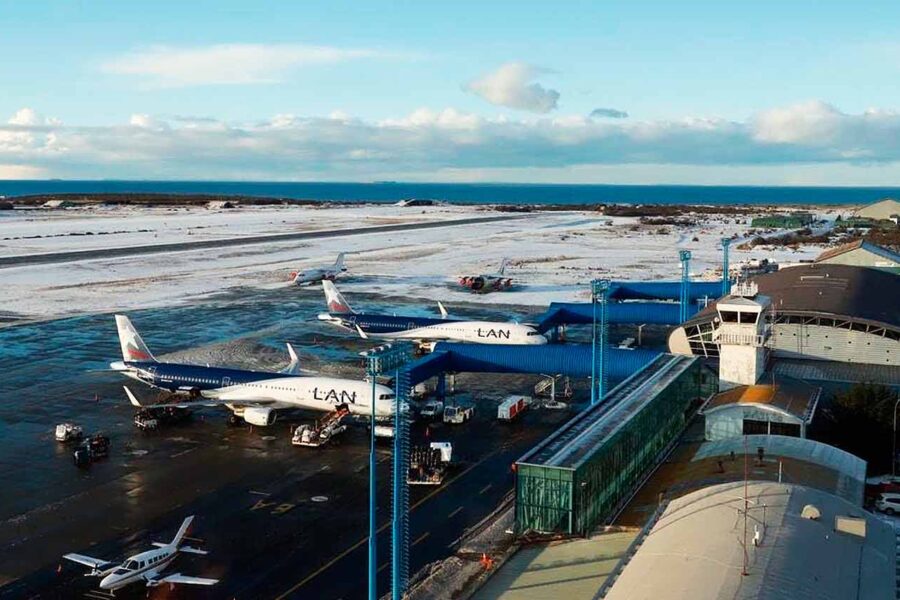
(278,521)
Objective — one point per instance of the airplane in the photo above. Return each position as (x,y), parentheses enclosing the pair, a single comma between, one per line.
(144,567)
(488,282)
(254,396)
(422,329)
(317,274)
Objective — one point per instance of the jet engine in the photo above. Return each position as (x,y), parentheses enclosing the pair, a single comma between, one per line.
(261,417)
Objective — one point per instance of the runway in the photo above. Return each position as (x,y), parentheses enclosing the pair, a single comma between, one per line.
(101,253)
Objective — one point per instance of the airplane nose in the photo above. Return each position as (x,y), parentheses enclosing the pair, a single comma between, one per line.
(106,582)
(117,365)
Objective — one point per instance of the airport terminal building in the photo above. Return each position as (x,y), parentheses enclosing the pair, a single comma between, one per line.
(826,312)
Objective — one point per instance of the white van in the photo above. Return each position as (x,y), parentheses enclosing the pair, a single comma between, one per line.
(888,502)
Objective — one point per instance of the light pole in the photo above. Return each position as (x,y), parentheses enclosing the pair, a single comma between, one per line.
(599,299)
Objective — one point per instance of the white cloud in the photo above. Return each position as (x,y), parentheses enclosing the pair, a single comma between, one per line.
(145,121)
(227,64)
(811,137)
(510,86)
(24,116)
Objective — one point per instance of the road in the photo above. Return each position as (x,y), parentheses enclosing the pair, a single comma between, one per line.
(78,255)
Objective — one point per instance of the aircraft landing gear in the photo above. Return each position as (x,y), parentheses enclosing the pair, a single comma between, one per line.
(234,420)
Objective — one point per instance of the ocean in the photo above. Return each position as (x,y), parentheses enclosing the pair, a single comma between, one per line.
(474,193)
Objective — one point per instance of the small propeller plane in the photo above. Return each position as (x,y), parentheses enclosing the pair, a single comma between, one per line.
(144,567)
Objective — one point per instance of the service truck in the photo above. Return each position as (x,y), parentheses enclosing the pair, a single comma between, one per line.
(511,407)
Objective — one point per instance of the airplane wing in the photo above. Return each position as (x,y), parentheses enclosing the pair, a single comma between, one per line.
(179,578)
(88,561)
(204,402)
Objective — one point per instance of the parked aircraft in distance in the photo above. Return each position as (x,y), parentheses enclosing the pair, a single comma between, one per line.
(423,329)
(254,396)
(490,282)
(145,567)
(318,274)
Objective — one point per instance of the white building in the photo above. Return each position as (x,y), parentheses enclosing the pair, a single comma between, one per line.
(742,334)
(785,408)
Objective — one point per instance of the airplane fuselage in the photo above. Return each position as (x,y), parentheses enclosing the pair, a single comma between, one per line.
(138,568)
(282,390)
(316,275)
(426,328)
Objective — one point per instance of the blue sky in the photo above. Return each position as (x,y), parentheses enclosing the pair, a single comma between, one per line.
(795,92)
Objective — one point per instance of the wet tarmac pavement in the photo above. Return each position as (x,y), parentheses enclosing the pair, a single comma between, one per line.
(258,500)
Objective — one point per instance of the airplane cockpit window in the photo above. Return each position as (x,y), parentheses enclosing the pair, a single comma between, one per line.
(131,565)
(386,397)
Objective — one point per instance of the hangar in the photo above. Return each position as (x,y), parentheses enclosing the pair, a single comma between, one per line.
(862,254)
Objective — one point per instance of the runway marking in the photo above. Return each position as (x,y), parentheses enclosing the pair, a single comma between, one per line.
(261,504)
(182,453)
(283,508)
(455,512)
(340,556)
(485,488)
(421,538)
(260,493)
(383,567)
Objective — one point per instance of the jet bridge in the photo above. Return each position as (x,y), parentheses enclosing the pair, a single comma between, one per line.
(573,360)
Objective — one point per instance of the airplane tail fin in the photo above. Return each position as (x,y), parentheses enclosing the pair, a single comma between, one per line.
(182,531)
(503,264)
(339,263)
(334,299)
(442,309)
(133,347)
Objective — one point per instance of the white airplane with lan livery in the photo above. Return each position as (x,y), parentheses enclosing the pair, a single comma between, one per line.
(424,329)
(145,567)
(254,396)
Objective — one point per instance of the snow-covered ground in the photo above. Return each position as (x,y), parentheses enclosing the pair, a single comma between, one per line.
(554,254)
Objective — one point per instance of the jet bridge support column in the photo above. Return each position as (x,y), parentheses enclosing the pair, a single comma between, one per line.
(400,502)
(441,389)
(384,359)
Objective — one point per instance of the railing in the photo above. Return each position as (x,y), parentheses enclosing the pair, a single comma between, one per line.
(745,289)
(739,339)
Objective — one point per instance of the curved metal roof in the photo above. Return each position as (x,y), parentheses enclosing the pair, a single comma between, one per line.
(695,550)
(854,293)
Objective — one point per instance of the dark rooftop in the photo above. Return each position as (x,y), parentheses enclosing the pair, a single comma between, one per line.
(857,293)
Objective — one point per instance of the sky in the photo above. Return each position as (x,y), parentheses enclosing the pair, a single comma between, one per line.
(793,92)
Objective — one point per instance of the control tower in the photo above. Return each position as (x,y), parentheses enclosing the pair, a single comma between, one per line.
(742,333)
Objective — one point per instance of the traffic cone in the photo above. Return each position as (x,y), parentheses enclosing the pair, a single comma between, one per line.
(58,569)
